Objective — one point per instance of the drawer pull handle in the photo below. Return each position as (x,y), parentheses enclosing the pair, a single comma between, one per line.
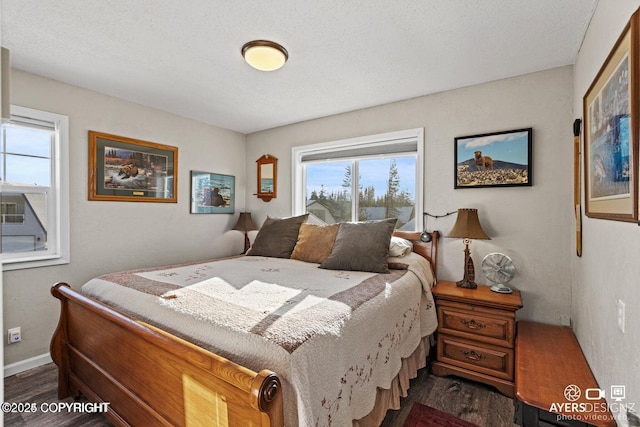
(472,355)
(472,324)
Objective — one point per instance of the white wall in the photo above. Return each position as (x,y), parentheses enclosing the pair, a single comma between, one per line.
(609,269)
(1,284)
(534,224)
(120,235)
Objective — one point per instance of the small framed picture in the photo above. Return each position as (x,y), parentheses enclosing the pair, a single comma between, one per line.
(499,159)
(212,193)
(130,170)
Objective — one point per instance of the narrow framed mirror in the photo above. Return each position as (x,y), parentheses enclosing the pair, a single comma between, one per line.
(267,177)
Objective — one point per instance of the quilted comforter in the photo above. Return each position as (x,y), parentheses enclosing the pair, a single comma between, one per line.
(332,336)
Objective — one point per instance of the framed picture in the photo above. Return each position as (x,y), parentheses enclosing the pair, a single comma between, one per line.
(499,159)
(212,193)
(610,133)
(129,170)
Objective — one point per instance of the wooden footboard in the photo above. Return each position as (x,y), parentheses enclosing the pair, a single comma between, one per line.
(150,377)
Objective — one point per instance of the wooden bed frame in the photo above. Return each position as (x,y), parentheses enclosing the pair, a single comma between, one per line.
(150,377)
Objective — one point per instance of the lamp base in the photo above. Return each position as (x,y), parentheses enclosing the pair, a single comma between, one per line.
(247,243)
(467,284)
(468,281)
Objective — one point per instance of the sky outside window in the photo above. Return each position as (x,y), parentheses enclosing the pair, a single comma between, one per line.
(27,156)
(373,172)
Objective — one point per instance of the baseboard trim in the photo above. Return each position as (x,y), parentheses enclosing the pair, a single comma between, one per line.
(25,365)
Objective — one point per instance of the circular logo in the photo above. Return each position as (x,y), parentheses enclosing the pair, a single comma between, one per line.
(572,392)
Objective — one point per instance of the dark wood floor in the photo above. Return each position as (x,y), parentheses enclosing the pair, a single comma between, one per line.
(40,385)
(470,401)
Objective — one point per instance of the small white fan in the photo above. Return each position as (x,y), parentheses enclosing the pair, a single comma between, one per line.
(498,269)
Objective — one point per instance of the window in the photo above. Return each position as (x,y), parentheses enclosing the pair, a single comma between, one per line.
(34,189)
(359,179)
(10,214)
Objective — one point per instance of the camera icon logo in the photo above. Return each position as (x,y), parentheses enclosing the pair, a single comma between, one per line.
(594,393)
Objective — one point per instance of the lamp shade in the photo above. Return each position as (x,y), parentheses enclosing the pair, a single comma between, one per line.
(245,223)
(264,55)
(468,226)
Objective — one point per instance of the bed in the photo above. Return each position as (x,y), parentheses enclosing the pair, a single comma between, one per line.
(189,345)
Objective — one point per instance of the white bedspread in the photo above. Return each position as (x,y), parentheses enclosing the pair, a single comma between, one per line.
(333,337)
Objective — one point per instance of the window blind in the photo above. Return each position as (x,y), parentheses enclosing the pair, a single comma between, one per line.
(354,151)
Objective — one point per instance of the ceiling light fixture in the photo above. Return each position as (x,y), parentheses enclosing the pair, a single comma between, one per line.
(264,55)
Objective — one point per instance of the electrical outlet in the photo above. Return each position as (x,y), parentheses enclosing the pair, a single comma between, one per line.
(621,315)
(565,320)
(14,335)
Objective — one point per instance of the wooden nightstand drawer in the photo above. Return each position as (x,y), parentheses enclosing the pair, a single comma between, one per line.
(490,360)
(466,324)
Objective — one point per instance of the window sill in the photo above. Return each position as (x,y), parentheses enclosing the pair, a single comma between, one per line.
(21,265)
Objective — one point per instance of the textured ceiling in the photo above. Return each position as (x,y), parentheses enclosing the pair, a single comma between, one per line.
(184,56)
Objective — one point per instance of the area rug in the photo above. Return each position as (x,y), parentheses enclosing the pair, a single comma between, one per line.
(426,416)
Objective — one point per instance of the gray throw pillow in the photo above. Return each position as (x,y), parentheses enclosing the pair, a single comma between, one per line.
(277,237)
(361,246)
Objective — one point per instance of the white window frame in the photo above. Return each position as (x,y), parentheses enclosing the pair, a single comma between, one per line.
(386,140)
(58,232)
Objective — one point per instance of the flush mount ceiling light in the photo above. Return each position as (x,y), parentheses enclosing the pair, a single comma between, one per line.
(264,55)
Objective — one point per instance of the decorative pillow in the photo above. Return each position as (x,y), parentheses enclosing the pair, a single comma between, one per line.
(277,237)
(315,242)
(361,246)
(399,246)
(398,266)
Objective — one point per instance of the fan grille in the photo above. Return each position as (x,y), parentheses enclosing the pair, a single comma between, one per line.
(498,268)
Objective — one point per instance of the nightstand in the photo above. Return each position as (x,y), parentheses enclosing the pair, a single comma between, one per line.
(476,334)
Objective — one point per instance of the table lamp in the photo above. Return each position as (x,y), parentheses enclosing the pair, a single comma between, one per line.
(468,227)
(245,224)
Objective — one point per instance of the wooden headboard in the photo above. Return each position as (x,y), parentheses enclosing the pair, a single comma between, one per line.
(428,250)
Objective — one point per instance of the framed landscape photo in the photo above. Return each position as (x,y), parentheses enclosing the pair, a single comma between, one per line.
(129,170)
(610,133)
(212,193)
(498,159)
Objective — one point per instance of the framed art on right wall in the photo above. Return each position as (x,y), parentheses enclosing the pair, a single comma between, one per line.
(610,133)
